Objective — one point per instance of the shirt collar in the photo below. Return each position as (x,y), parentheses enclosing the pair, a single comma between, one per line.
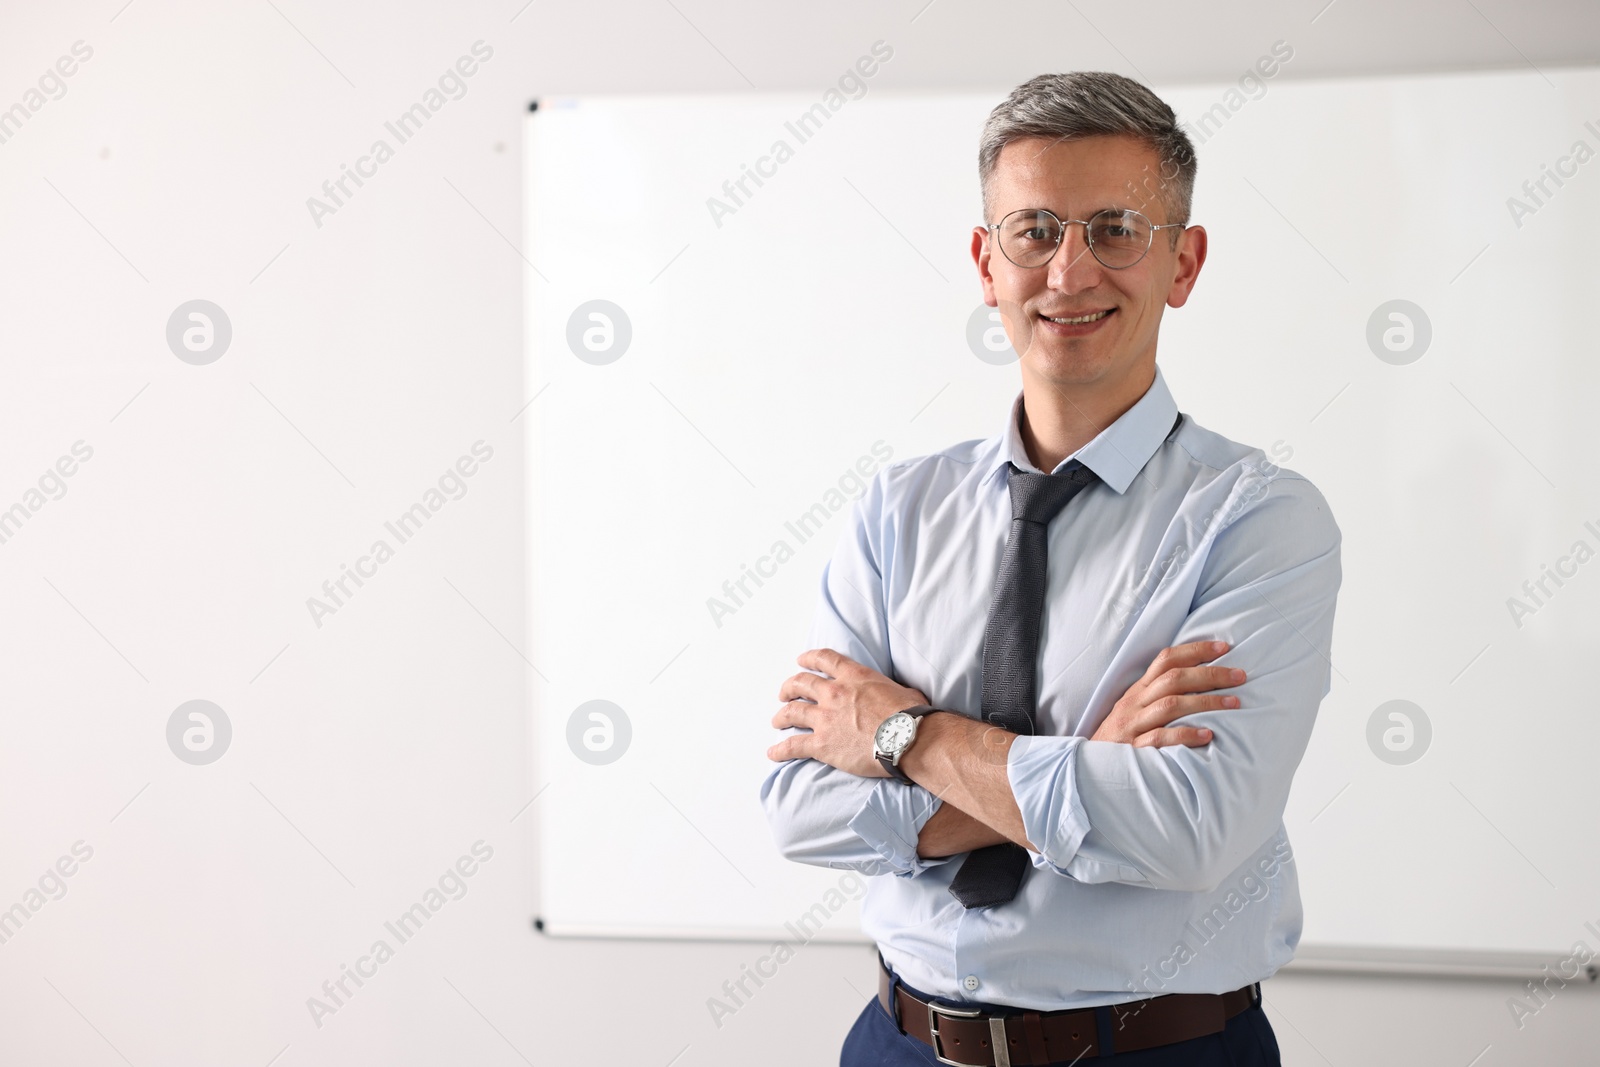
(1116,454)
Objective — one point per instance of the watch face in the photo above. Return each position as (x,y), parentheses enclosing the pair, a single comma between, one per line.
(895,732)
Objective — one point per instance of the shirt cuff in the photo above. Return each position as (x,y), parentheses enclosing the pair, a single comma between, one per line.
(892,819)
(1043,772)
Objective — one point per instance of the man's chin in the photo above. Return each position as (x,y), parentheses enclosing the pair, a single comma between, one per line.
(1069,361)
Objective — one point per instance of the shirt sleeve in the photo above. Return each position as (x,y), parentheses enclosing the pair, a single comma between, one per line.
(1185,818)
(819,814)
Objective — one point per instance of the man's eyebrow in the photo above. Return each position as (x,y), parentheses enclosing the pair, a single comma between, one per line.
(1053,211)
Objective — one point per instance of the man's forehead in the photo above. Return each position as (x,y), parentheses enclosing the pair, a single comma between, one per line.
(1103,169)
(1075,159)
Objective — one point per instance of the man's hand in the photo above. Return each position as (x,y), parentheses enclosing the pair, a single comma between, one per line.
(843,712)
(1173,687)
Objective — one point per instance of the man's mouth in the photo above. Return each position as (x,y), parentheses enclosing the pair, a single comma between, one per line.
(1073,320)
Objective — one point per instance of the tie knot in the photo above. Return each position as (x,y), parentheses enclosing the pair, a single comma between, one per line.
(1040,497)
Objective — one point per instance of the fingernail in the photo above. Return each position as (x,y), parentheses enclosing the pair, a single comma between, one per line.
(1206,734)
(1236,674)
(1219,646)
(1230,702)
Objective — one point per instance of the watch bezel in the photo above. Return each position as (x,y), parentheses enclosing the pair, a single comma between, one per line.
(877,739)
(891,760)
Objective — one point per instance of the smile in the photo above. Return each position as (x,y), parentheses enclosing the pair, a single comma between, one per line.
(1095,317)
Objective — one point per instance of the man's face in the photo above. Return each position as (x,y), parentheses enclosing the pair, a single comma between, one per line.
(1074,179)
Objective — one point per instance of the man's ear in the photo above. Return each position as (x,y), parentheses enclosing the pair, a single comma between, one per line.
(1191,257)
(980,256)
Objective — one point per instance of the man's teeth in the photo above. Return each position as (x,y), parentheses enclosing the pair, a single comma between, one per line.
(1082,318)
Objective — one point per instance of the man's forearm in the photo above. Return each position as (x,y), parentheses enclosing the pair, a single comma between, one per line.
(952,831)
(963,761)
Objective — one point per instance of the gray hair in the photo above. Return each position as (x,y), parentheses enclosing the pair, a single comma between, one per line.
(1087,103)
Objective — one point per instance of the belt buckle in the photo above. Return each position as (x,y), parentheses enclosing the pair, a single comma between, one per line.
(934,1012)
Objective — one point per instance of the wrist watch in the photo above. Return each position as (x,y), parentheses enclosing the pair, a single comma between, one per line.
(894,736)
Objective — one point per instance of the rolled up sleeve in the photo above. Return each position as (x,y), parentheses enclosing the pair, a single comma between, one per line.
(1043,772)
(892,819)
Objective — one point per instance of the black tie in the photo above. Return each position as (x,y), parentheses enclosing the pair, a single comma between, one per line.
(991,875)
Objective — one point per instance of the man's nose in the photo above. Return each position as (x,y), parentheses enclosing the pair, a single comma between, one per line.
(1074,267)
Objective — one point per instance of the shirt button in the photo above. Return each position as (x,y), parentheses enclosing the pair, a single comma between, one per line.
(971,983)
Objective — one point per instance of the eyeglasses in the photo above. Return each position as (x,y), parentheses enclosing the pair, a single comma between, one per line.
(1117,237)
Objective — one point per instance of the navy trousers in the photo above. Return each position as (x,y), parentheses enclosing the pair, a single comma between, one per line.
(1248,1041)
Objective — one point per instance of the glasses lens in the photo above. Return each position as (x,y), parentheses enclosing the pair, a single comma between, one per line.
(1029,238)
(1119,238)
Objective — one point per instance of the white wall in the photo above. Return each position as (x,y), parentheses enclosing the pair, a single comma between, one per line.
(368,354)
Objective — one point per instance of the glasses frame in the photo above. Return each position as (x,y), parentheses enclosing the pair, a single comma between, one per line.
(1088,234)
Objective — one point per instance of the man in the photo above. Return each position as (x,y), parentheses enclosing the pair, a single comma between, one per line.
(1010,705)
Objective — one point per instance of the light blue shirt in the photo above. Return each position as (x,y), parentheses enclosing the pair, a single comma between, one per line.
(1162,870)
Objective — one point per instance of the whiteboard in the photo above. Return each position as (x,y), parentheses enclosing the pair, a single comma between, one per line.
(762,353)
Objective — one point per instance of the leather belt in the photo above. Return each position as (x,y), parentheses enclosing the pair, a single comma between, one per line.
(965,1037)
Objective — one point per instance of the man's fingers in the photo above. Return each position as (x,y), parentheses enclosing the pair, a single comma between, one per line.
(1193,680)
(794,713)
(826,660)
(1186,655)
(789,748)
(1163,711)
(802,686)
(1191,736)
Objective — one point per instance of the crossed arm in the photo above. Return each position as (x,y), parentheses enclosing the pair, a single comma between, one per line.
(1160,806)
(962,760)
